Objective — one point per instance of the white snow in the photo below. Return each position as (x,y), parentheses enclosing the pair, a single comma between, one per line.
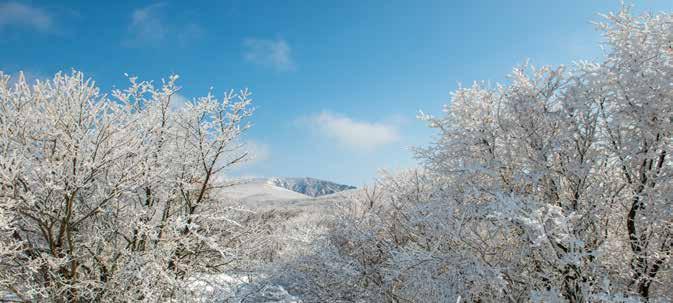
(259,190)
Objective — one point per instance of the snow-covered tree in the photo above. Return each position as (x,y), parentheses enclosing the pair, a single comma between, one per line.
(634,92)
(553,187)
(109,197)
(573,165)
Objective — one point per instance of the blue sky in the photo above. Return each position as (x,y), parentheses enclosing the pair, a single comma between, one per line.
(336,84)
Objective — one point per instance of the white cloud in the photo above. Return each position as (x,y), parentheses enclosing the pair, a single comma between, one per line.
(275,54)
(257,152)
(358,135)
(18,14)
(149,27)
(146,26)
(254,163)
(178,102)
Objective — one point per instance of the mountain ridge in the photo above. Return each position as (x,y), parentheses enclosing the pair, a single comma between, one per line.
(311,187)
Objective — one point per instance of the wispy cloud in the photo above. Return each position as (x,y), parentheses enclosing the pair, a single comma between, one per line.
(256,161)
(148,27)
(275,54)
(357,135)
(23,15)
(178,102)
(189,33)
(257,152)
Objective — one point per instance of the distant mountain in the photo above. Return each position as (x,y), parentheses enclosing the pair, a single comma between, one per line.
(309,186)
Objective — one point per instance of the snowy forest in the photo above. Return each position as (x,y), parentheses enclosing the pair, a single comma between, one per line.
(553,186)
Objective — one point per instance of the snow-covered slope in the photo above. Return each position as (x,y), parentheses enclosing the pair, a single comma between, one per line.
(263,191)
(260,190)
(261,195)
(309,186)
(264,194)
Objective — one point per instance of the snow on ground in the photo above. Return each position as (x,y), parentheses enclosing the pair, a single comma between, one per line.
(259,190)
(225,288)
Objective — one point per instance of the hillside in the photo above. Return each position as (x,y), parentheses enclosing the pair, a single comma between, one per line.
(310,186)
